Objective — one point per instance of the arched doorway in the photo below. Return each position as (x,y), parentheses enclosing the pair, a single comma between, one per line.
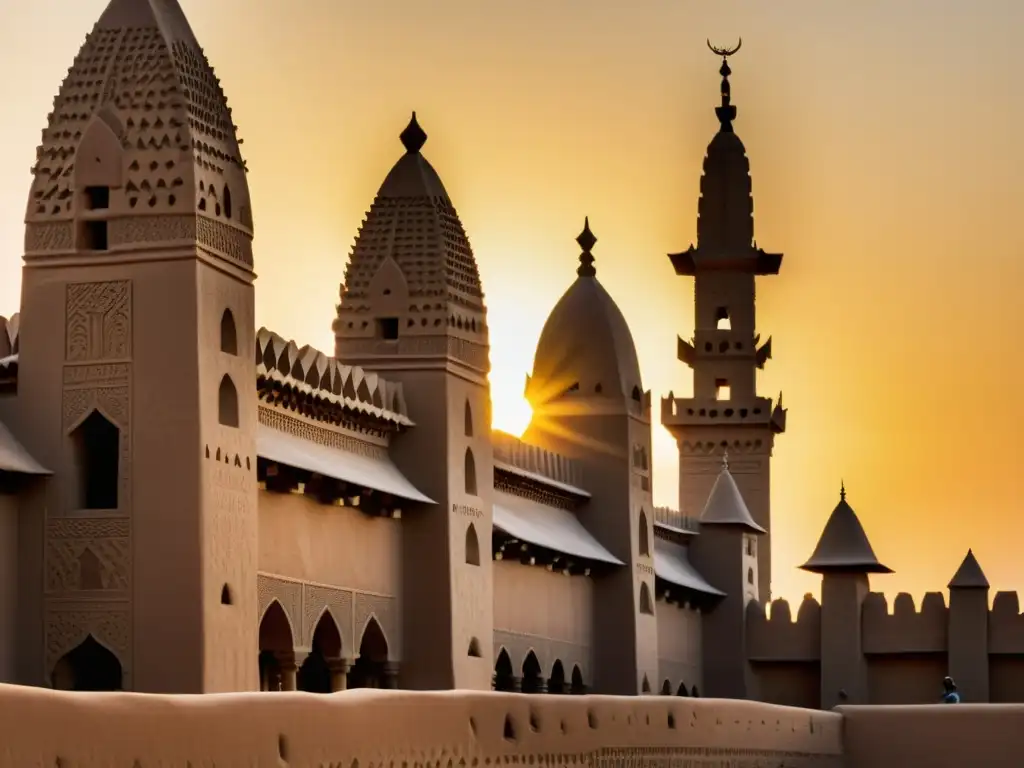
(315,672)
(504,675)
(556,683)
(370,669)
(577,688)
(533,680)
(277,652)
(89,666)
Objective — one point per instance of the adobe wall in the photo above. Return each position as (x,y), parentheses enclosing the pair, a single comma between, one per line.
(679,649)
(382,729)
(935,736)
(545,612)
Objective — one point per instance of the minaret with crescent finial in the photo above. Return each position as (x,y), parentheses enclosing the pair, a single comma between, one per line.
(726,352)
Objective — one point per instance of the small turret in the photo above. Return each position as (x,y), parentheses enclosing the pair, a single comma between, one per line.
(725,503)
(843,546)
(968,630)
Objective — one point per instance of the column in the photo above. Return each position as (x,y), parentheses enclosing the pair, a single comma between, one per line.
(339,674)
(289,664)
(391,674)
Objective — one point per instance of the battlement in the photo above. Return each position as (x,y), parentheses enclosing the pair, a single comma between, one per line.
(1006,625)
(673,518)
(528,459)
(678,411)
(905,629)
(307,380)
(773,635)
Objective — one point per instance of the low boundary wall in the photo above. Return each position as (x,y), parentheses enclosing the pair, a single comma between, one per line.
(397,729)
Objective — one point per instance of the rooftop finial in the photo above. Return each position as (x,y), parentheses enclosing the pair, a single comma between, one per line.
(726,112)
(586,241)
(842,490)
(413,137)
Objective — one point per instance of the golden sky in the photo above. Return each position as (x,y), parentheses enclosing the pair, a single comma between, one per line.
(887,165)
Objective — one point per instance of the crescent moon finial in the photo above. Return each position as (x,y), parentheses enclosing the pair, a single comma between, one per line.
(725,52)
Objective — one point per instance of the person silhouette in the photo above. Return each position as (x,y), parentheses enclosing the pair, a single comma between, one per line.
(949,694)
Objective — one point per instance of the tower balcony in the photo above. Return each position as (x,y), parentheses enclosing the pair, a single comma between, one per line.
(719,343)
(678,413)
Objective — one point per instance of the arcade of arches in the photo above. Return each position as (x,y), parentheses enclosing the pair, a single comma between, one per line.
(324,668)
(532,678)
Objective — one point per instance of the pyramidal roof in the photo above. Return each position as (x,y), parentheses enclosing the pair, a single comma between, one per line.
(725,503)
(969,575)
(843,546)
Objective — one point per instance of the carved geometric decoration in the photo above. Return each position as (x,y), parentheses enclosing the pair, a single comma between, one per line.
(99,321)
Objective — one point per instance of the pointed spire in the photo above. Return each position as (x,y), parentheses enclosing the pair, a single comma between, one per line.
(726,112)
(413,137)
(725,503)
(586,241)
(969,575)
(843,546)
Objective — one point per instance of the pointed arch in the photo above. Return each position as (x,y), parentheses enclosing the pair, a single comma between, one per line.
(227,402)
(472,546)
(228,333)
(504,674)
(468,417)
(369,671)
(474,648)
(89,666)
(645,686)
(556,683)
(533,680)
(96,444)
(682,691)
(275,632)
(470,472)
(314,676)
(666,688)
(637,394)
(644,535)
(225,595)
(646,604)
(577,686)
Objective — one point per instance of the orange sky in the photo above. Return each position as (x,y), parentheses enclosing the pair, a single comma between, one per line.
(887,166)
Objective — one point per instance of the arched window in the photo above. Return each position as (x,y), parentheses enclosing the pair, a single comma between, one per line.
(472,546)
(89,666)
(227,402)
(470,470)
(227,202)
(225,595)
(469,419)
(646,604)
(474,649)
(97,448)
(645,687)
(750,575)
(228,333)
(644,535)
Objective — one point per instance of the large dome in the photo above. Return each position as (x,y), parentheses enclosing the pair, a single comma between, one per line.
(586,346)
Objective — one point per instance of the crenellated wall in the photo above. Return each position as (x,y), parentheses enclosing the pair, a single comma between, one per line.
(906,630)
(785,653)
(359,729)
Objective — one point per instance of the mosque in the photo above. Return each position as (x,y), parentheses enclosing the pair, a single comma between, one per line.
(189,504)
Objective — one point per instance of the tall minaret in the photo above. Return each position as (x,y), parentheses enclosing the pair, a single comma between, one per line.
(725,411)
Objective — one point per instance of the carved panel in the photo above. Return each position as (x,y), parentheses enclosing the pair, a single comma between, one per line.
(710,757)
(151,229)
(99,321)
(316,599)
(288,594)
(385,611)
(52,236)
(103,542)
(108,623)
(318,434)
(106,373)
(225,240)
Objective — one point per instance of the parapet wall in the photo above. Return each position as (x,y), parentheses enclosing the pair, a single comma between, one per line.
(399,729)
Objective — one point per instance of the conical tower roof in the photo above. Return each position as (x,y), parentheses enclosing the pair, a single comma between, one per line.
(725,503)
(843,546)
(142,114)
(969,575)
